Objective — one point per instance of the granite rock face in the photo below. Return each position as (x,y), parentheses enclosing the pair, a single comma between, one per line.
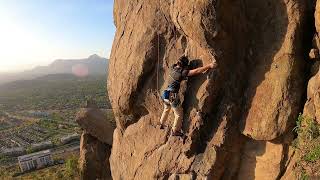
(95,143)
(312,106)
(235,117)
(94,158)
(95,122)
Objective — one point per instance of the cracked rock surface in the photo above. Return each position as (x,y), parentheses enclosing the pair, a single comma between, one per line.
(238,119)
(247,106)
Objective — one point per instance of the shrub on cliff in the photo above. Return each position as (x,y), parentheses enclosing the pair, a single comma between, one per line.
(72,169)
(308,148)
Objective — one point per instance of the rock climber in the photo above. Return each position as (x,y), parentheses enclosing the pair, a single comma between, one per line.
(178,72)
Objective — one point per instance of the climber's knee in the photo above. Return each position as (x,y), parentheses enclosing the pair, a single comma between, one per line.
(166,107)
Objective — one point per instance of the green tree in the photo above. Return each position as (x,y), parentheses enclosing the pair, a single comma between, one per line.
(72,168)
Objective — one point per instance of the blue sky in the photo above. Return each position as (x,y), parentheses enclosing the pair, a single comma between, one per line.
(36,32)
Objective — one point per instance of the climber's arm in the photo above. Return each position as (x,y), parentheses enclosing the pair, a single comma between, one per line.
(203,69)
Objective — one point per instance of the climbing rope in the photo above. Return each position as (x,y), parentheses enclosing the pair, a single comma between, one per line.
(158,47)
(158,64)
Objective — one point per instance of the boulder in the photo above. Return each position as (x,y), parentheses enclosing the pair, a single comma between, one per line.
(275,89)
(314,54)
(312,105)
(94,158)
(261,160)
(147,160)
(96,123)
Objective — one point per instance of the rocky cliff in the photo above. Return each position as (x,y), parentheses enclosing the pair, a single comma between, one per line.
(96,142)
(238,119)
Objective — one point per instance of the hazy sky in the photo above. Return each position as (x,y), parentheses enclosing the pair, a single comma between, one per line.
(36,32)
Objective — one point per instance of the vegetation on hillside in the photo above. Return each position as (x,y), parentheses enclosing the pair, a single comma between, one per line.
(67,171)
(58,92)
(42,110)
(308,148)
(51,128)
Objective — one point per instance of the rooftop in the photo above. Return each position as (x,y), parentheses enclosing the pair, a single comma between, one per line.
(34,154)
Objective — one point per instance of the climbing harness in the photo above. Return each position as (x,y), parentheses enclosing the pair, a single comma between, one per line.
(169,96)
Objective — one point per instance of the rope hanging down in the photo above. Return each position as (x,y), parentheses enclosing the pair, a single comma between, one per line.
(158,64)
(158,46)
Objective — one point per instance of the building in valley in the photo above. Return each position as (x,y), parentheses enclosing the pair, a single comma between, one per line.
(35,160)
(41,146)
(15,151)
(69,138)
(38,114)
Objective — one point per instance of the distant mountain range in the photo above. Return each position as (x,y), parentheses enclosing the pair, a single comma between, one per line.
(93,65)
